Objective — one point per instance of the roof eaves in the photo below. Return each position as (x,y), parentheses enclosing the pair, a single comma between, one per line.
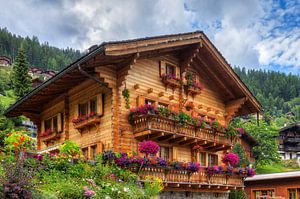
(57,76)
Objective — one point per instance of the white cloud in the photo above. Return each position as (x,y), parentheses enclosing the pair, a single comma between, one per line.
(249,33)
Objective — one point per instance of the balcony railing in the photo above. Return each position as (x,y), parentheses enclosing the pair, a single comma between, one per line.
(182,179)
(165,129)
(292,139)
(292,148)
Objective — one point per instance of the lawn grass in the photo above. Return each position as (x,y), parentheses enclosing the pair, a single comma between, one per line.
(274,168)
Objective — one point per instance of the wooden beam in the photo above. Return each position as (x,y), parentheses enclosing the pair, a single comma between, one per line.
(164,138)
(188,142)
(214,76)
(176,140)
(190,57)
(157,135)
(232,107)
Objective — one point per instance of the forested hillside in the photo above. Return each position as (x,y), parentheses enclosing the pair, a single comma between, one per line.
(279,93)
(38,54)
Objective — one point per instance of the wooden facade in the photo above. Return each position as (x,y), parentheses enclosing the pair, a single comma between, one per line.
(94,86)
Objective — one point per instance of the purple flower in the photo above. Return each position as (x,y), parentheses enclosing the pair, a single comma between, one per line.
(87,192)
(193,167)
(241,131)
(38,157)
(135,160)
(250,172)
(161,162)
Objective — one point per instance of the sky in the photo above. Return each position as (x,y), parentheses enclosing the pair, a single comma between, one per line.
(249,33)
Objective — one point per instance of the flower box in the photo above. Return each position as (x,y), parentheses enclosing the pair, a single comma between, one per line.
(171,81)
(94,120)
(53,135)
(190,90)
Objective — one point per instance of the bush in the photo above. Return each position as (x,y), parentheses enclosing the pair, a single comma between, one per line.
(70,149)
(293,163)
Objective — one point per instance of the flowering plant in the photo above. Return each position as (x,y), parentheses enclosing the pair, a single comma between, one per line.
(191,83)
(18,141)
(214,124)
(136,161)
(250,172)
(108,157)
(193,167)
(231,159)
(241,131)
(171,77)
(177,165)
(199,122)
(122,161)
(47,132)
(231,132)
(229,170)
(148,147)
(213,170)
(88,192)
(198,147)
(81,118)
(161,162)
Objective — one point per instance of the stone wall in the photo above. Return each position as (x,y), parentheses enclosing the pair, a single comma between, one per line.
(192,195)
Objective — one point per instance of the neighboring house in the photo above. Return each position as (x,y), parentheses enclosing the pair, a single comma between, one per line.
(85,103)
(29,126)
(5,61)
(275,185)
(289,142)
(38,75)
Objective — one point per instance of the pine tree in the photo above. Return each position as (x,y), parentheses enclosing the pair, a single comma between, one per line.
(20,77)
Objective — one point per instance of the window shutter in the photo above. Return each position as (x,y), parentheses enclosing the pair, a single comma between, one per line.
(140,100)
(162,68)
(175,154)
(177,71)
(42,126)
(59,122)
(99,148)
(100,104)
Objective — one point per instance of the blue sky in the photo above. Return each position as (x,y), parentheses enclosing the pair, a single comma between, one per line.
(250,33)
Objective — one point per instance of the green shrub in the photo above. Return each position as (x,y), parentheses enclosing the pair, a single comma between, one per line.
(70,149)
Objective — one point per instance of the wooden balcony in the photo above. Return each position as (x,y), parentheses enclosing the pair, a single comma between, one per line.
(176,179)
(166,130)
(292,139)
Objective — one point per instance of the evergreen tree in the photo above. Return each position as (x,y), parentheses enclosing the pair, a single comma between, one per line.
(20,77)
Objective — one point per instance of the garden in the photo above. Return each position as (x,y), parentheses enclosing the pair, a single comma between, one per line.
(67,174)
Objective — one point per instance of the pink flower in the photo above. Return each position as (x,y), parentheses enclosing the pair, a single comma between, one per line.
(231,158)
(148,147)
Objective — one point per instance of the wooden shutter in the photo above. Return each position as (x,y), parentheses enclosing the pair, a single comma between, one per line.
(99,148)
(162,68)
(100,104)
(42,126)
(140,100)
(177,70)
(175,151)
(59,122)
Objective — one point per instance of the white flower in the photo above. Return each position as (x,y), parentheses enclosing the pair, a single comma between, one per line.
(126,189)
(107,197)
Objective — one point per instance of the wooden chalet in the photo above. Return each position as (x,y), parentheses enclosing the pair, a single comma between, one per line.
(153,71)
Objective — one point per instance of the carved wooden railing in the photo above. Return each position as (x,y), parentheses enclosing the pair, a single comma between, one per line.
(199,178)
(159,123)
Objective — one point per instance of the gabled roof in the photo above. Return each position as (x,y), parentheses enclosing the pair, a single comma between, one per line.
(119,52)
(291,127)
(274,176)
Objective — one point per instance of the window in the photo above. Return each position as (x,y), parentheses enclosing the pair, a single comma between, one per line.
(149,102)
(55,123)
(263,194)
(93,152)
(164,152)
(212,159)
(293,193)
(162,105)
(83,109)
(171,70)
(85,152)
(202,158)
(93,105)
(48,124)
